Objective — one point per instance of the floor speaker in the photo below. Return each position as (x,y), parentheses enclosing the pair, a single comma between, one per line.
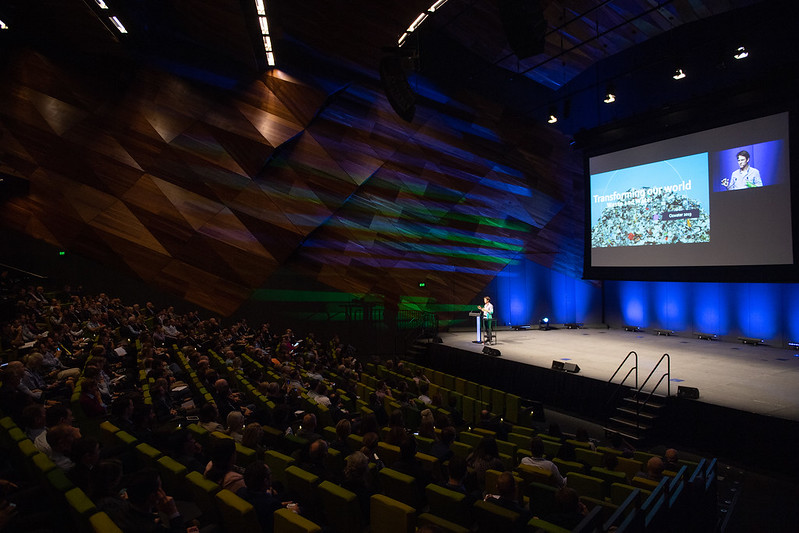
(493,352)
(565,367)
(692,393)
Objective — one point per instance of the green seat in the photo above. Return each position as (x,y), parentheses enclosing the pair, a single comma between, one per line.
(579,444)
(542,498)
(399,486)
(278,462)
(609,476)
(469,438)
(551,448)
(449,505)
(57,481)
(510,449)
(107,431)
(388,453)
(341,508)
(538,524)
(493,518)
(644,483)
(355,442)
(423,444)
(301,486)
(521,441)
(567,467)
(27,448)
(147,456)
(620,491)
(202,491)
(492,476)
(244,455)
(289,522)
(173,476)
(390,516)
(630,467)
(102,523)
(201,434)
(534,474)
(442,523)
(80,507)
(590,486)
(588,457)
(236,514)
(460,449)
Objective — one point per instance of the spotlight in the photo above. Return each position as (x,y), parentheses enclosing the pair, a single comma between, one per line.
(706,336)
(678,74)
(741,53)
(610,94)
(552,115)
(544,324)
(630,327)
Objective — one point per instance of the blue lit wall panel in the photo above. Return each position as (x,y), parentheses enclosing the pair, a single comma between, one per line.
(766,310)
(525,291)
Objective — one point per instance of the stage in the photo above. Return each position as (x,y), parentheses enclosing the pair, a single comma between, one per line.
(759,379)
(748,405)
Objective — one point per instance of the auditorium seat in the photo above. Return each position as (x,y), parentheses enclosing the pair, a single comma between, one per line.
(390,516)
(443,524)
(448,504)
(341,508)
(236,514)
(493,518)
(399,486)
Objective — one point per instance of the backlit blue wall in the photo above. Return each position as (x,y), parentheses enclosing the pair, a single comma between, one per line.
(525,291)
(765,310)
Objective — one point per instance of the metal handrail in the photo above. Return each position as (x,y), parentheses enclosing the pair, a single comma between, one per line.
(630,371)
(666,374)
(635,367)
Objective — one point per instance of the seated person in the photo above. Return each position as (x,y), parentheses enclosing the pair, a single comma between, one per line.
(507,498)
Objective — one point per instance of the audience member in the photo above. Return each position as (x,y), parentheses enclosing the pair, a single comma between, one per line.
(537,459)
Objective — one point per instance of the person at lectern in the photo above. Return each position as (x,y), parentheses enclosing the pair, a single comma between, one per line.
(488,314)
(745,177)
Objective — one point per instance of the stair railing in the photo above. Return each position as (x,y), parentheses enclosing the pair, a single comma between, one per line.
(634,368)
(667,375)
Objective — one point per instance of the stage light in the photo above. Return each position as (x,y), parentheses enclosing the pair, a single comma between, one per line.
(632,328)
(754,341)
(118,24)
(666,332)
(3,25)
(741,53)
(544,324)
(101,4)
(707,336)
(678,74)
(610,94)
(552,115)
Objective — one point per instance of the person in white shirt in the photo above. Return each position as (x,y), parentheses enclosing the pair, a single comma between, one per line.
(745,177)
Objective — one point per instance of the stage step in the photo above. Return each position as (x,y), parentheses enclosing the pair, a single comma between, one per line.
(633,413)
(631,424)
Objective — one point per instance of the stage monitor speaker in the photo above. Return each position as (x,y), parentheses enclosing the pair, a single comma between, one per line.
(398,91)
(524,25)
(565,367)
(691,393)
(493,352)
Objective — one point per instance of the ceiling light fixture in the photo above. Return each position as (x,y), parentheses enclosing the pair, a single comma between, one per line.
(610,94)
(421,18)
(678,74)
(118,23)
(101,4)
(260,8)
(552,115)
(741,53)
(3,25)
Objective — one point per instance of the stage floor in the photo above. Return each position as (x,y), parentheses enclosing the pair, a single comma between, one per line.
(758,379)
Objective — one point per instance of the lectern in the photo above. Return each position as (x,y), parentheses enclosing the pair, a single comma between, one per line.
(477,318)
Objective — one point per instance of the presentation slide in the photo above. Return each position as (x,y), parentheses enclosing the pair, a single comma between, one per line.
(720,197)
(672,207)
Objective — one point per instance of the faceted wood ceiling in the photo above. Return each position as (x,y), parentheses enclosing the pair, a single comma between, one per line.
(205,182)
